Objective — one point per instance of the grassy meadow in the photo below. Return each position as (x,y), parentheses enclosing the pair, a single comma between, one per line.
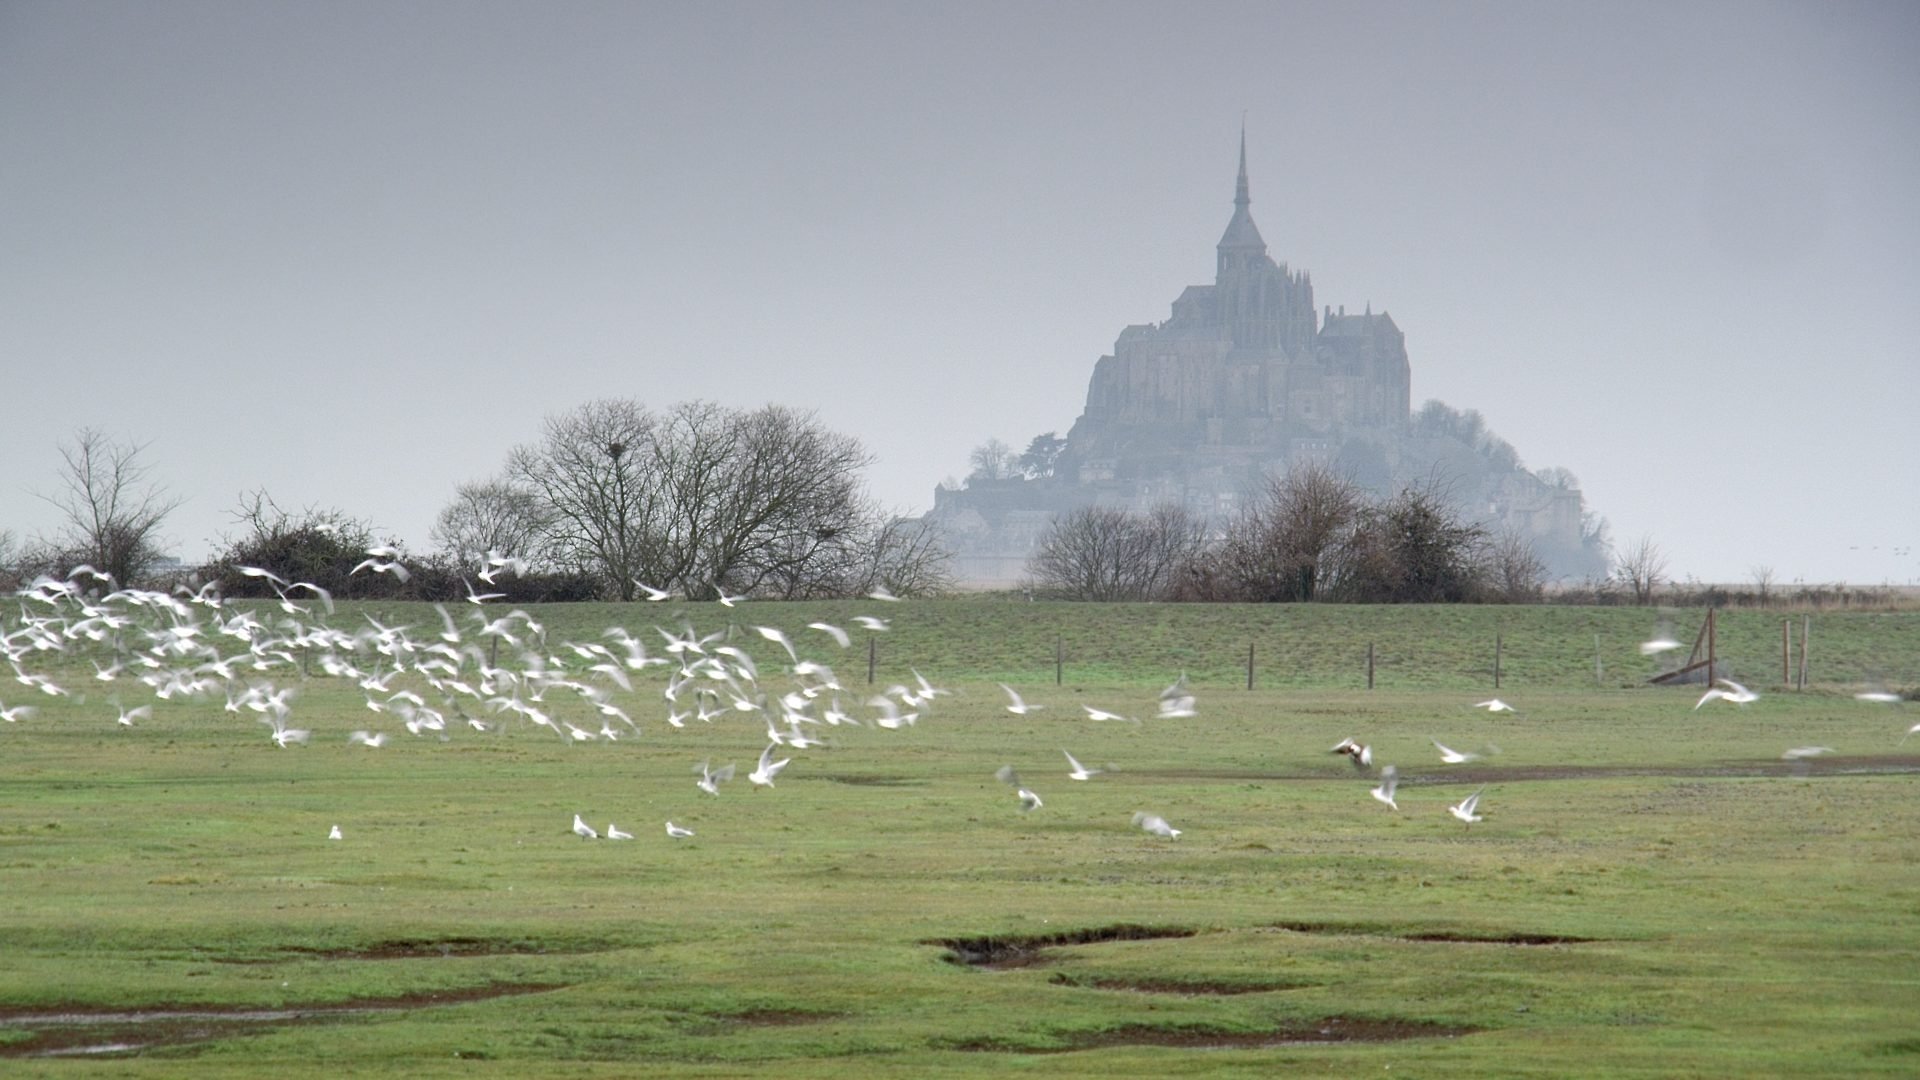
(1653,891)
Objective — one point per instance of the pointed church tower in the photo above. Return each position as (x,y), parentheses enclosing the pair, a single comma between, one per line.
(1240,247)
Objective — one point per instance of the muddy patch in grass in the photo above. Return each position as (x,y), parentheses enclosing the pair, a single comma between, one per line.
(1332,1029)
(871,781)
(1826,765)
(1465,937)
(87,1031)
(999,953)
(1182,987)
(423,948)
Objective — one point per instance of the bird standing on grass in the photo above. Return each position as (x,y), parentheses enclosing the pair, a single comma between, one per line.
(583,830)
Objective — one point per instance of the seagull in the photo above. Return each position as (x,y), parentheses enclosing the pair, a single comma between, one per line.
(1361,753)
(870,622)
(778,637)
(653,595)
(1101,714)
(478,597)
(334,833)
(1154,824)
(1389,779)
(1451,756)
(1464,810)
(583,830)
(677,833)
(1080,772)
(378,567)
(720,594)
(1903,738)
(1029,801)
(1801,753)
(710,781)
(614,833)
(374,741)
(1493,705)
(1878,697)
(1737,694)
(1661,642)
(1019,706)
(128,716)
(763,776)
(880,593)
(838,635)
(17,713)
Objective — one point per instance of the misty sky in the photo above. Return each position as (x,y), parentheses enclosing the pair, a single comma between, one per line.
(352,253)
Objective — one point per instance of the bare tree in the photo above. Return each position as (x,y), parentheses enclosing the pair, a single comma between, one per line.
(1641,568)
(112,515)
(488,515)
(1105,553)
(992,460)
(1514,571)
(597,496)
(1415,548)
(1291,541)
(1763,578)
(699,499)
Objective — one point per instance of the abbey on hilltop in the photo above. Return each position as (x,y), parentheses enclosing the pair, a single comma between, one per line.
(1246,377)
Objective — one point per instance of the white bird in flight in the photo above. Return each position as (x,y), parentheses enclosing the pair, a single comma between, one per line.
(873,623)
(1080,772)
(1451,756)
(1102,714)
(17,713)
(1029,801)
(141,712)
(1493,705)
(653,595)
(838,635)
(1735,693)
(372,741)
(710,780)
(1464,809)
(1154,824)
(1389,780)
(768,769)
(583,830)
(1018,705)
(1878,697)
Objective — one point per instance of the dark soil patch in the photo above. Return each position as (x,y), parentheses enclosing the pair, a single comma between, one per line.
(872,781)
(1001,953)
(1825,765)
(1332,1029)
(777,1017)
(1459,936)
(1185,987)
(74,1031)
(421,948)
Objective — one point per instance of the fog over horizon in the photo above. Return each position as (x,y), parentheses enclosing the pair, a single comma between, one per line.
(352,254)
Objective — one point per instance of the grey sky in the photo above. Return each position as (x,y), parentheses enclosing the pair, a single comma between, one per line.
(352,253)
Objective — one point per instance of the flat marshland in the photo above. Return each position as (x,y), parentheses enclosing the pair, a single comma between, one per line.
(1653,889)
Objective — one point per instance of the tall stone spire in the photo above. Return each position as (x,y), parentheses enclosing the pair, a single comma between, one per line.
(1242,235)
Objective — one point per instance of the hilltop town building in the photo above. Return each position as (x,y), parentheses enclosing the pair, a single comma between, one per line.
(1245,378)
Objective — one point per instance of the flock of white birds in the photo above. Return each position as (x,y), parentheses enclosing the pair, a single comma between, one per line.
(190,644)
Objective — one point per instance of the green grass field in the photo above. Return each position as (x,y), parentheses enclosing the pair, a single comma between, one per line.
(1653,889)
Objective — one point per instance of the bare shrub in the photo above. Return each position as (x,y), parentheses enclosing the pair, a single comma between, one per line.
(1640,568)
(1293,539)
(1104,554)
(111,515)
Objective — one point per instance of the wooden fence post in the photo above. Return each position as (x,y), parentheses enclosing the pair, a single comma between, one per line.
(1786,652)
(1806,636)
(1596,660)
(1249,665)
(1496,661)
(1369,665)
(1059,659)
(872,646)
